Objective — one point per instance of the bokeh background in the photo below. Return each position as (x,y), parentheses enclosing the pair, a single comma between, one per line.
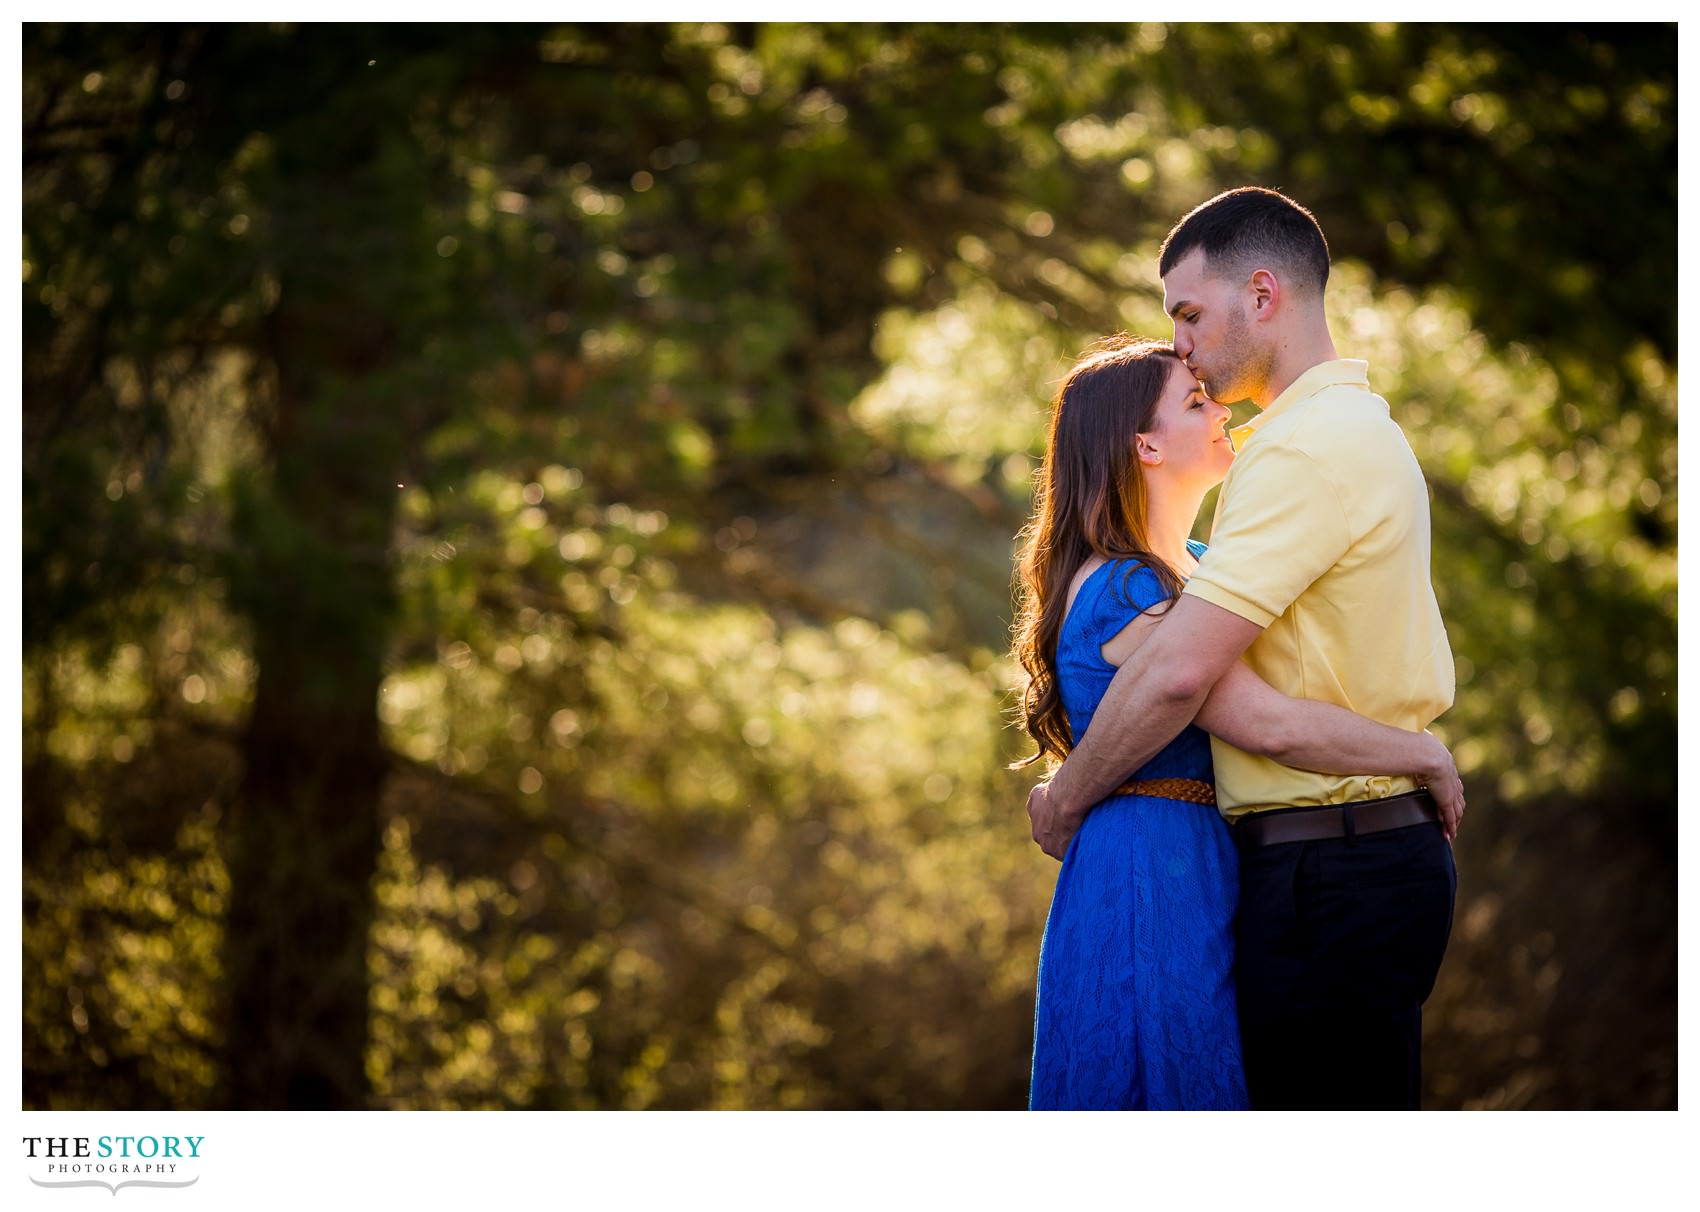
(517,528)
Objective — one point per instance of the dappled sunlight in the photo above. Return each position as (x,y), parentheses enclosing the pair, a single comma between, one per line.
(123,957)
(870,765)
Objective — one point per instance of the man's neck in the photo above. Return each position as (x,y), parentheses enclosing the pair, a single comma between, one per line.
(1292,358)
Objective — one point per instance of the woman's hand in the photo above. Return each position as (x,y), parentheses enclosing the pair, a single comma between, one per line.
(1440,775)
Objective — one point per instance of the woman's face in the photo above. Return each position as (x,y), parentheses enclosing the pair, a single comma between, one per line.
(1189,433)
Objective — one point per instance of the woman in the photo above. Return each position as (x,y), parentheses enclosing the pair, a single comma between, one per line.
(1136,1000)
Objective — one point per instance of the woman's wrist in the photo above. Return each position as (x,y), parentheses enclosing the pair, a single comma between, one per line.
(1437,759)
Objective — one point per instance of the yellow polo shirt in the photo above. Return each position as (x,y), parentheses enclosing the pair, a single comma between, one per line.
(1322,539)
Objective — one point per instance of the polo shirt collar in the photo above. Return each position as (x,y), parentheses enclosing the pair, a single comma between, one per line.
(1341,371)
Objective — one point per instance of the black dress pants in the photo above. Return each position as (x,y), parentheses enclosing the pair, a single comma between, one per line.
(1339,942)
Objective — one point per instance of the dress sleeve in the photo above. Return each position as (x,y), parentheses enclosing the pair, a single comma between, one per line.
(1130,588)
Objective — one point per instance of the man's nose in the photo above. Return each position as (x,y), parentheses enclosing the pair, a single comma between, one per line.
(1183,345)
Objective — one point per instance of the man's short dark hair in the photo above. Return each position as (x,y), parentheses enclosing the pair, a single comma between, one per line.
(1250,224)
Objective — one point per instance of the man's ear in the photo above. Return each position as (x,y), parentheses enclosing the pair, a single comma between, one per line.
(1265,290)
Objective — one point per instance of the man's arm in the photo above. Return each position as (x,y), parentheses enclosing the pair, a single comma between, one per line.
(1147,704)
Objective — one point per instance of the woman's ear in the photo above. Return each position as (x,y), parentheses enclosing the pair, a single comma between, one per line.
(1148,454)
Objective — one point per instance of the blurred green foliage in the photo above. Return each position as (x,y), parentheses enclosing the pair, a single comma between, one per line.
(629,424)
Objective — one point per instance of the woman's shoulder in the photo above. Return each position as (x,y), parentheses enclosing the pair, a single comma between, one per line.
(1130,585)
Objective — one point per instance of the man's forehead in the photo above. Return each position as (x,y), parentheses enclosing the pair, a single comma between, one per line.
(1187,275)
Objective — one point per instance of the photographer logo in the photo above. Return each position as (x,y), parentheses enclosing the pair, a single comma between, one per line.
(113,1162)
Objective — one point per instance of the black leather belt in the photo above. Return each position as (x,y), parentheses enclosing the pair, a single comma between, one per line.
(1280,825)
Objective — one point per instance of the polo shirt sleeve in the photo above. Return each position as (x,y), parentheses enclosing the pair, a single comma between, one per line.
(1281,526)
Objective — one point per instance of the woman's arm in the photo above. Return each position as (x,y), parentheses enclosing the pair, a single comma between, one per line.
(1252,715)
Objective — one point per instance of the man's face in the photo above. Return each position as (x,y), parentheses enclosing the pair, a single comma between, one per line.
(1212,333)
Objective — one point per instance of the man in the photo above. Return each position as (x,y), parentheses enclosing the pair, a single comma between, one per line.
(1318,574)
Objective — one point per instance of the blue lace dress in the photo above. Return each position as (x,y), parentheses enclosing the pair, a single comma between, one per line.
(1136,997)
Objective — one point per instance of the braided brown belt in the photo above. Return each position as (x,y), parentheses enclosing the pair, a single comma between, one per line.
(1192,791)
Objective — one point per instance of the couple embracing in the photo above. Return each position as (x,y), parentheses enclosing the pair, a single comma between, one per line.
(1255,831)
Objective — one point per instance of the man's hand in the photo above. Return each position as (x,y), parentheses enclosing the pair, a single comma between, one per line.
(1052,829)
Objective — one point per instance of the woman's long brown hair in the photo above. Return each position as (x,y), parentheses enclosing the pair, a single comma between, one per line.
(1090,500)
